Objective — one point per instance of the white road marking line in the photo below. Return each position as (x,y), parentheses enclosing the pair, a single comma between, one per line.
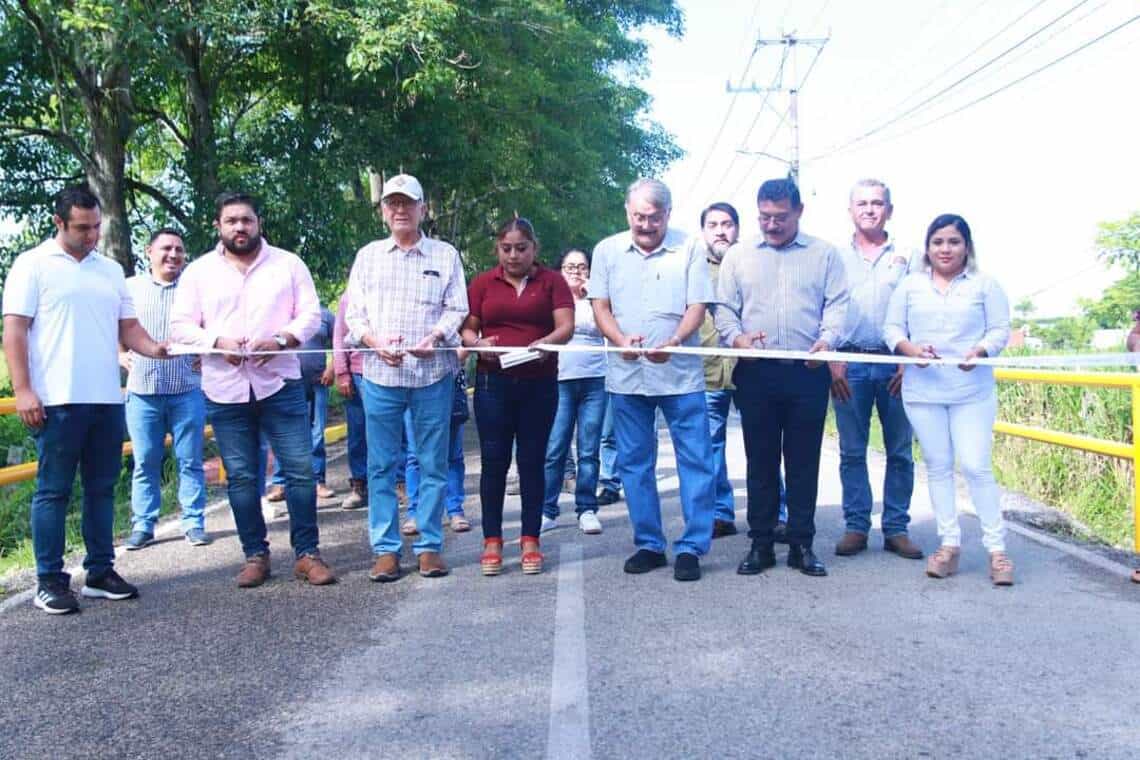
(569,734)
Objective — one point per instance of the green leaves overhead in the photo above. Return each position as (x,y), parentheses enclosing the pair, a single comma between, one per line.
(497,106)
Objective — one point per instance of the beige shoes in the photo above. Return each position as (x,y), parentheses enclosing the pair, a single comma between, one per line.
(944,562)
(1001,569)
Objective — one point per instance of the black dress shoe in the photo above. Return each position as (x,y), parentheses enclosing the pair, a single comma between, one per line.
(686,567)
(780,534)
(608,496)
(644,560)
(804,558)
(759,559)
(722,528)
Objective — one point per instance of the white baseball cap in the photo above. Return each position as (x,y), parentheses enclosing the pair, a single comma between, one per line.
(403,184)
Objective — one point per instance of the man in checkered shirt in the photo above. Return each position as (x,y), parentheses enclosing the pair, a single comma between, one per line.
(406,297)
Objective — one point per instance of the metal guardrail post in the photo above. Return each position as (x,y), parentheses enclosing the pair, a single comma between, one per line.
(1136,466)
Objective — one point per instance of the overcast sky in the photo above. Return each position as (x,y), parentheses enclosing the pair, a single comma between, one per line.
(1033,169)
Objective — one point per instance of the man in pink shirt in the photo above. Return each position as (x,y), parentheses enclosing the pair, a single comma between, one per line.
(349,366)
(249,299)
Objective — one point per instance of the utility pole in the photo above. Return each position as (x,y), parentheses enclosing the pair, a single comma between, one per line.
(790,42)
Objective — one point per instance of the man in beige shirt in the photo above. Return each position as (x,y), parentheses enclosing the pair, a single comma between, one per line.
(720,228)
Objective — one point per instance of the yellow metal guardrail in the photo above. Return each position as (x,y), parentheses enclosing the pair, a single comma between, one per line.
(20,473)
(1116,449)
(1082,442)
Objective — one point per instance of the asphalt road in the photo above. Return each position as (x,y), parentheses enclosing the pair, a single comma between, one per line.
(875,660)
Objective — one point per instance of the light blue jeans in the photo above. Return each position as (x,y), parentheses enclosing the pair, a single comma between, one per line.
(607,474)
(719,404)
(868,384)
(456,468)
(636,432)
(384,408)
(581,404)
(149,418)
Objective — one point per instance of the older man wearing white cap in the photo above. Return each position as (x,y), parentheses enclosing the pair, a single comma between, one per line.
(406,297)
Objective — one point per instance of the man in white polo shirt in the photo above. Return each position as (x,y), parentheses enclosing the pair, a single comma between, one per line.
(66,310)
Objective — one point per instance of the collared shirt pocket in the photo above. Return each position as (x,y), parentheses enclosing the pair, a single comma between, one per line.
(667,291)
(429,289)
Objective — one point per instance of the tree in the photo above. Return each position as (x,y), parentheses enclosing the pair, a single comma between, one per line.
(1119,241)
(498,105)
(78,97)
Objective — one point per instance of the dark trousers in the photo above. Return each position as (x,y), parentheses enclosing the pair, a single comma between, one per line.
(782,411)
(507,410)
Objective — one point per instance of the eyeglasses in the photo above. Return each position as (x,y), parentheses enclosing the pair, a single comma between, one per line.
(571,268)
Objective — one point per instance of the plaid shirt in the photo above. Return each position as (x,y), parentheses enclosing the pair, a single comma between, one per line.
(393,292)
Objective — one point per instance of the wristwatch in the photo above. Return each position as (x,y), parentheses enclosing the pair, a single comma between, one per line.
(282,342)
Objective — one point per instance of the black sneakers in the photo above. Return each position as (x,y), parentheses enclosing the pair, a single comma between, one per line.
(56,598)
(108,586)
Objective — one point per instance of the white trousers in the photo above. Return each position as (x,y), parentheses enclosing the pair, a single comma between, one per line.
(965,430)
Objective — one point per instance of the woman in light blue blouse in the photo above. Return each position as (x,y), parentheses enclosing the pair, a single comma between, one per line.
(952,310)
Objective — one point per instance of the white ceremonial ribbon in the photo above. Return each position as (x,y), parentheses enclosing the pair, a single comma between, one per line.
(1122,359)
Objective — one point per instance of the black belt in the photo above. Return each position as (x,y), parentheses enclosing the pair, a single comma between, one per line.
(861,350)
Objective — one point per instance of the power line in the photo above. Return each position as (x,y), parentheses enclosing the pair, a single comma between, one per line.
(1006,86)
(731,103)
(969,55)
(775,131)
(943,91)
(760,112)
(1033,73)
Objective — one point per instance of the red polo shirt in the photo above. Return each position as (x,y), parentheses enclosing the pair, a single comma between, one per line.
(519,319)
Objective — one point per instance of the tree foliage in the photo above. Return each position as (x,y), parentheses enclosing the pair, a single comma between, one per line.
(497,105)
(1119,241)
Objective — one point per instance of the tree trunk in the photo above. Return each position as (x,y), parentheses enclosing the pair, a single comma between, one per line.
(202,151)
(108,108)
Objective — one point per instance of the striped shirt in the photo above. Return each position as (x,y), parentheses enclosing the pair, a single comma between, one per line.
(153,300)
(393,292)
(796,294)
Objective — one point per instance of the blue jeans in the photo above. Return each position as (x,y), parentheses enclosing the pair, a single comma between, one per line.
(384,408)
(581,402)
(634,425)
(357,439)
(868,384)
(510,411)
(456,468)
(317,399)
(284,419)
(87,437)
(719,404)
(608,478)
(149,417)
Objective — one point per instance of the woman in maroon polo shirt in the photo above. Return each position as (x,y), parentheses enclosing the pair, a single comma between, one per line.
(518,303)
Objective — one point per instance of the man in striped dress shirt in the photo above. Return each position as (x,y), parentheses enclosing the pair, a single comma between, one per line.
(782,290)
(164,397)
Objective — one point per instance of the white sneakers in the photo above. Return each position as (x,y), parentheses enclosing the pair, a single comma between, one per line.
(589,523)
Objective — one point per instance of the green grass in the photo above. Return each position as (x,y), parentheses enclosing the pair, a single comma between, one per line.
(15,527)
(1095,490)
